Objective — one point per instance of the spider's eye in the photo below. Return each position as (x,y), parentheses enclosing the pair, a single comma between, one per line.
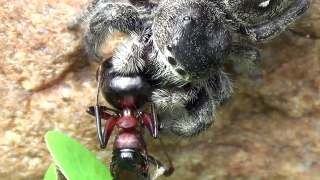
(187,18)
(181,72)
(172,61)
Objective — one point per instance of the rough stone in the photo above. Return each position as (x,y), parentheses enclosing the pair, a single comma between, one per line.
(270,129)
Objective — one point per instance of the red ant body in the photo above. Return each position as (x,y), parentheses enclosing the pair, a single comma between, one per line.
(130,159)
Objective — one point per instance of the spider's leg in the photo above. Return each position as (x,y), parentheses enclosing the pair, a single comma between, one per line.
(198,114)
(107,19)
(277,25)
(244,58)
(74,23)
(129,57)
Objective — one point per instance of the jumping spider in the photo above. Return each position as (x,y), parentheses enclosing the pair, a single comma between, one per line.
(182,44)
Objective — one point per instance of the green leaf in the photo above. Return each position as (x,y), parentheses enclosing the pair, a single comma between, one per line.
(51,173)
(74,160)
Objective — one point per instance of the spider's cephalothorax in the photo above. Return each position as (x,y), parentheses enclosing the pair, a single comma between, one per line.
(194,37)
(192,40)
(183,44)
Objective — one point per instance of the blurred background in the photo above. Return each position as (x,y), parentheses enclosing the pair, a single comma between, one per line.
(270,129)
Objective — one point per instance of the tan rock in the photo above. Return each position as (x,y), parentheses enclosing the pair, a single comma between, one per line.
(269,130)
(310,26)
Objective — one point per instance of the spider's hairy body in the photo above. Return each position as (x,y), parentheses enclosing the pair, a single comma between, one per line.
(105,18)
(182,45)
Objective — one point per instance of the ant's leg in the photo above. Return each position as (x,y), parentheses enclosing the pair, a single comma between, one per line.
(111,121)
(103,111)
(170,170)
(99,112)
(96,111)
(99,128)
(167,172)
(151,123)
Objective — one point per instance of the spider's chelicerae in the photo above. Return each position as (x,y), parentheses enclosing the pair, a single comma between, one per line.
(182,44)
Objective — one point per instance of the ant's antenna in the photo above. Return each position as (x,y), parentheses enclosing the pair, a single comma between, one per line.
(97,108)
(98,78)
(155,118)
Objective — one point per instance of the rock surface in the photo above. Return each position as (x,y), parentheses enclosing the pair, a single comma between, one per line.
(269,130)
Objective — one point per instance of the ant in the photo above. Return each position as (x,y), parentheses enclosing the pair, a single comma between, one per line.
(128,94)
